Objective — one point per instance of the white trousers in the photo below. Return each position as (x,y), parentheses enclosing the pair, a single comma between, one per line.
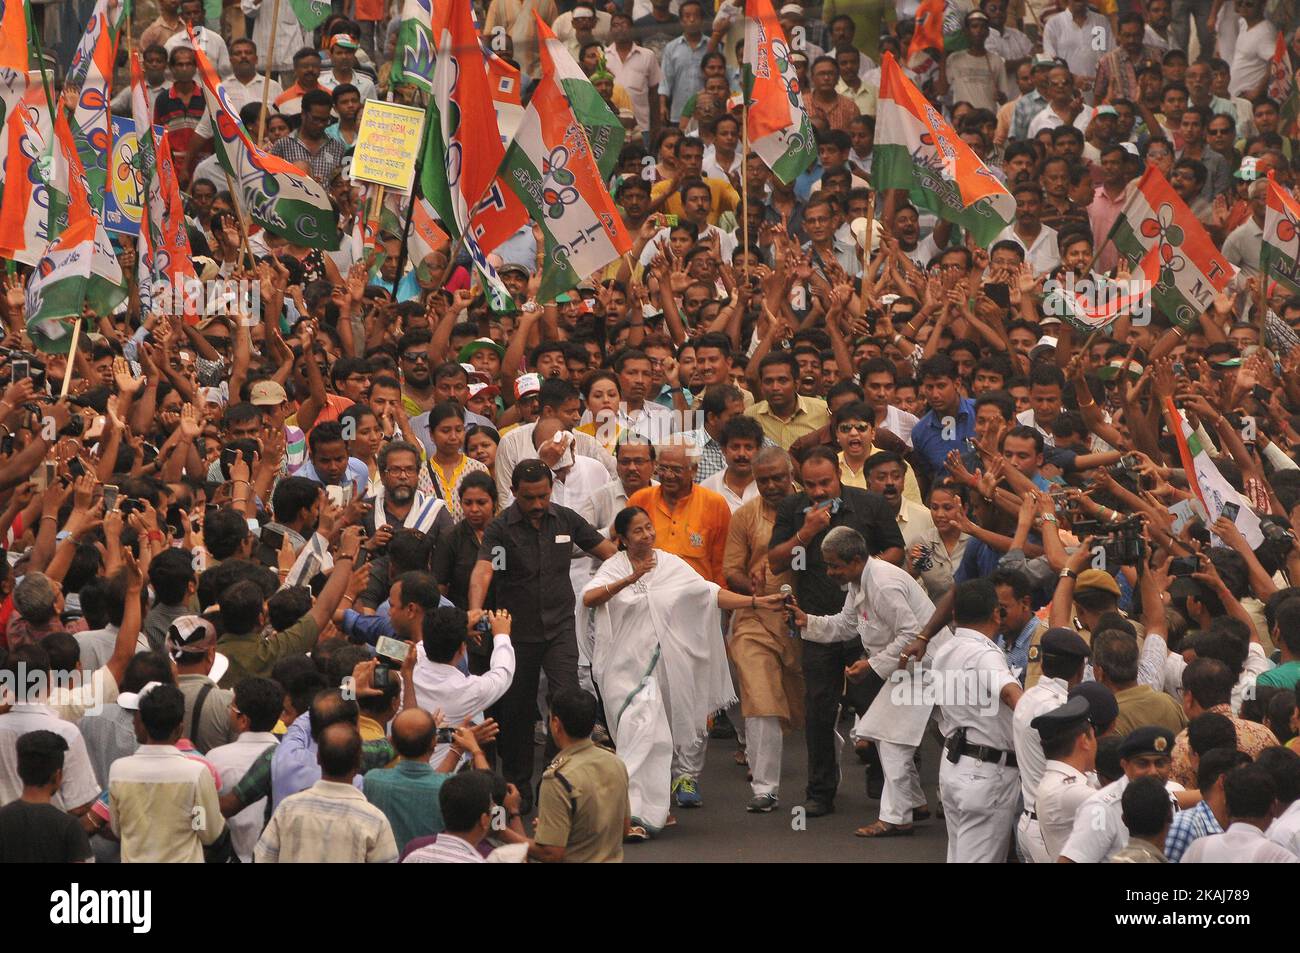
(764,750)
(645,746)
(902,791)
(980,801)
(1029,841)
(688,758)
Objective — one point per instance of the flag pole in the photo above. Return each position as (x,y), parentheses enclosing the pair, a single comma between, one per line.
(266,80)
(866,239)
(239,216)
(72,357)
(744,190)
(406,238)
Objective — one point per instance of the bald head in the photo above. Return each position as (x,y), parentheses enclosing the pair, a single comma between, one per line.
(339,752)
(414,731)
(546,429)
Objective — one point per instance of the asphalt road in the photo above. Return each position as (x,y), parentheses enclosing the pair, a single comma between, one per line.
(722,831)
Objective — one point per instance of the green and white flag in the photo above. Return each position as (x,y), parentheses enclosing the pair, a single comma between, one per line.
(777,124)
(310,13)
(414,56)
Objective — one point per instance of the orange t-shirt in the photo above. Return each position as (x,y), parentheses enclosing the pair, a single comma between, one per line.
(695,529)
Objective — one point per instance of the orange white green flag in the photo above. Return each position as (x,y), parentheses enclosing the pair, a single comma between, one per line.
(1170,249)
(552,168)
(1281,249)
(917,150)
(778,127)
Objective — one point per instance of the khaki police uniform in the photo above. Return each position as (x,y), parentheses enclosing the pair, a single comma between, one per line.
(583,804)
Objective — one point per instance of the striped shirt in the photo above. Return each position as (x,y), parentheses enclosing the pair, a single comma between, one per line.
(447,849)
(329,823)
(163,806)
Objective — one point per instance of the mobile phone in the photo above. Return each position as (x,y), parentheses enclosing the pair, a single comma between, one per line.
(338,495)
(20,369)
(392,648)
(999,293)
(273,538)
(51,469)
(1130,461)
(1230,511)
(1184,566)
(7,444)
(670,221)
(382,677)
(76,467)
(110,497)
(446,736)
(1179,369)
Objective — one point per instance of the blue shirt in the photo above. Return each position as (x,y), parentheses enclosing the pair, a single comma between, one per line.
(357,471)
(932,447)
(294,766)
(1018,651)
(1186,827)
(369,628)
(407,793)
(680,66)
(408,289)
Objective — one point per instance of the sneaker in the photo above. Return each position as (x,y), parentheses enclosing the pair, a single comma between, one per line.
(761,804)
(686,792)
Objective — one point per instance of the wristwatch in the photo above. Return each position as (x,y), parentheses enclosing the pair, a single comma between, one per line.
(1068,573)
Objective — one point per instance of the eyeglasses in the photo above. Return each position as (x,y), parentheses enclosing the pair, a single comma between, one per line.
(402,471)
(416,356)
(854,428)
(670,469)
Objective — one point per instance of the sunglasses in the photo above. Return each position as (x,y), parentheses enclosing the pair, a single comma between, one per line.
(854,428)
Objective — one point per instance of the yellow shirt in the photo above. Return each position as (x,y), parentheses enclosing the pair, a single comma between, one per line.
(810,414)
(850,477)
(725,198)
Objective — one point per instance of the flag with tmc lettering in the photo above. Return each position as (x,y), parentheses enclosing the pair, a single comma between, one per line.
(1167,247)
(463,148)
(1278,256)
(70,274)
(413,58)
(778,126)
(553,169)
(1282,87)
(90,78)
(165,263)
(1208,483)
(13,35)
(276,195)
(939,26)
(917,150)
(25,143)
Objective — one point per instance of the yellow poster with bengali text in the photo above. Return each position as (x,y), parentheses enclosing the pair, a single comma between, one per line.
(388,142)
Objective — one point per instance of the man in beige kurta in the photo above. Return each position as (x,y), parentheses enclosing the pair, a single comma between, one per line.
(515,17)
(764,654)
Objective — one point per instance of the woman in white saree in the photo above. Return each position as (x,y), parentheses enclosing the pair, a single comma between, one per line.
(659,659)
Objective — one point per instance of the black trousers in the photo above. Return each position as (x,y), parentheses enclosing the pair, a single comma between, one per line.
(516,712)
(824,687)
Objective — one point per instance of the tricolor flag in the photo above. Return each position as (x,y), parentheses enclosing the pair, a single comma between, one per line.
(1093,302)
(310,13)
(13,36)
(1281,249)
(89,80)
(553,168)
(164,257)
(1209,485)
(277,195)
(1169,248)
(778,127)
(1282,87)
(69,274)
(917,150)
(25,143)
(503,84)
(413,58)
(463,148)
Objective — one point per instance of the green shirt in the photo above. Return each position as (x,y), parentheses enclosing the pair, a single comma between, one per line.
(257,652)
(407,793)
(1284,676)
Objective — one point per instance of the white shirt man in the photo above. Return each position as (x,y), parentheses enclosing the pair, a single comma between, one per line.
(517,446)
(232,761)
(1041,253)
(445,688)
(1099,830)
(1081,46)
(726,244)
(718,484)
(79,785)
(1285,829)
(156,798)
(1048,119)
(214,48)
(364,84)
(640,75)
(1061,792)
(886,609)
(1251,56)
(1241,843)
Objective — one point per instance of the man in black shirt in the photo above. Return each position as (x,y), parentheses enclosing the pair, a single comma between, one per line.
(32,830)
(526,550)
(802,521)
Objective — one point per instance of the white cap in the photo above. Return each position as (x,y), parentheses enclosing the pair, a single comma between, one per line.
(130,701)
(791,9)
(581,11)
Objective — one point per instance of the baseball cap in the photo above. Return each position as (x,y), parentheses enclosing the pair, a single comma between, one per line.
(977,15)
(1043,61)
(212,395)
(189,635)
(130,701)
(488,390)
(267,394)
(514,266)
(1116,367)
(1106,111)
(343,40)
(1098,581)
(526,384)
(791,10)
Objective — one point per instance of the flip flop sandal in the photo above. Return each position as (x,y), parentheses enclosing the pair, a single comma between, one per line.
(879,829)
(740,757)
(671,822)
(636,835)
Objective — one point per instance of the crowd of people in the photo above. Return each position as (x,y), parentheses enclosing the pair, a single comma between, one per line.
(315,581)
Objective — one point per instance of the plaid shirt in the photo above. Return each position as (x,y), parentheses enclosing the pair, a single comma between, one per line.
(321,163)
(1187,826)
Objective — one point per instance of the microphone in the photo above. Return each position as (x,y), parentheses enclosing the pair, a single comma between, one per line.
(787,594)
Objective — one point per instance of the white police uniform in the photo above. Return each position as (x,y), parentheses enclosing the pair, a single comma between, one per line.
(1061,792)
(1099,830)
(979,788)
(1046,695)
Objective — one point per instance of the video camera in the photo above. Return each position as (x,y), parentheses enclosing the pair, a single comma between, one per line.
(1122,542)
